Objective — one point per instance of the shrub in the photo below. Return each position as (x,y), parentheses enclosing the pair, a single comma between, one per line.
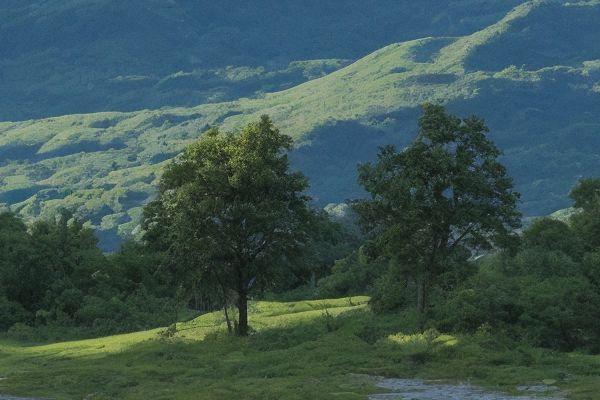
(11,313)
(419,347)
(552,311)
(23,332)
(390,293)
(562,313)
(350,276)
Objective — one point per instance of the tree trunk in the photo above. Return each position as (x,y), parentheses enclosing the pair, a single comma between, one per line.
(225,306)
(196,299)
(420,295)
(229,328)
(242,328)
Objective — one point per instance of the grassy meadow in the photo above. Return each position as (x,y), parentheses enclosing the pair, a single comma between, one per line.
(322,349)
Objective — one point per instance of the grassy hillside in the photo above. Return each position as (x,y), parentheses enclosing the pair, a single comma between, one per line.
(62,57)
(302,350)
(544,115)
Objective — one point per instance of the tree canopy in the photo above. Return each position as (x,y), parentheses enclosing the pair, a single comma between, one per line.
(445,195)
(231,210)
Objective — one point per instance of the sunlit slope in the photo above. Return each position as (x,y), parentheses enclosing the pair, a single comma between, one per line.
(546,119)
(105,165)
(71,56)
(557,33)
(195,359)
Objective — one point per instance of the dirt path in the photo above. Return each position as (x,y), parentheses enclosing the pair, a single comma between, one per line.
(414,389)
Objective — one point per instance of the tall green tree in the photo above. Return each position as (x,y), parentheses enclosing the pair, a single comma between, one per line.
(444,196)
(231,211)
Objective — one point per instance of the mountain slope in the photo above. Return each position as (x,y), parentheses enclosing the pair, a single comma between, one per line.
(71,56)
(547,121)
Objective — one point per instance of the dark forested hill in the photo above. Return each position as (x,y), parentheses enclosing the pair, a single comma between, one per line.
(72,56)
(533,73)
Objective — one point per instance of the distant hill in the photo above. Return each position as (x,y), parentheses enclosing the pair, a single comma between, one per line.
(528,74)
(62,57)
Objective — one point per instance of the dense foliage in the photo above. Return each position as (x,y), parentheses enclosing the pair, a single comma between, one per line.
(442,198)
(55,283)
(53,276)
(543,287)
(546,292)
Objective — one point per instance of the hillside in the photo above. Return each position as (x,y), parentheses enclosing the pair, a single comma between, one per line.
(324,349)
(538,89)
(64,57)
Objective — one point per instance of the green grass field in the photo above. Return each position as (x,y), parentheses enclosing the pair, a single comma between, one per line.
(323,349)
